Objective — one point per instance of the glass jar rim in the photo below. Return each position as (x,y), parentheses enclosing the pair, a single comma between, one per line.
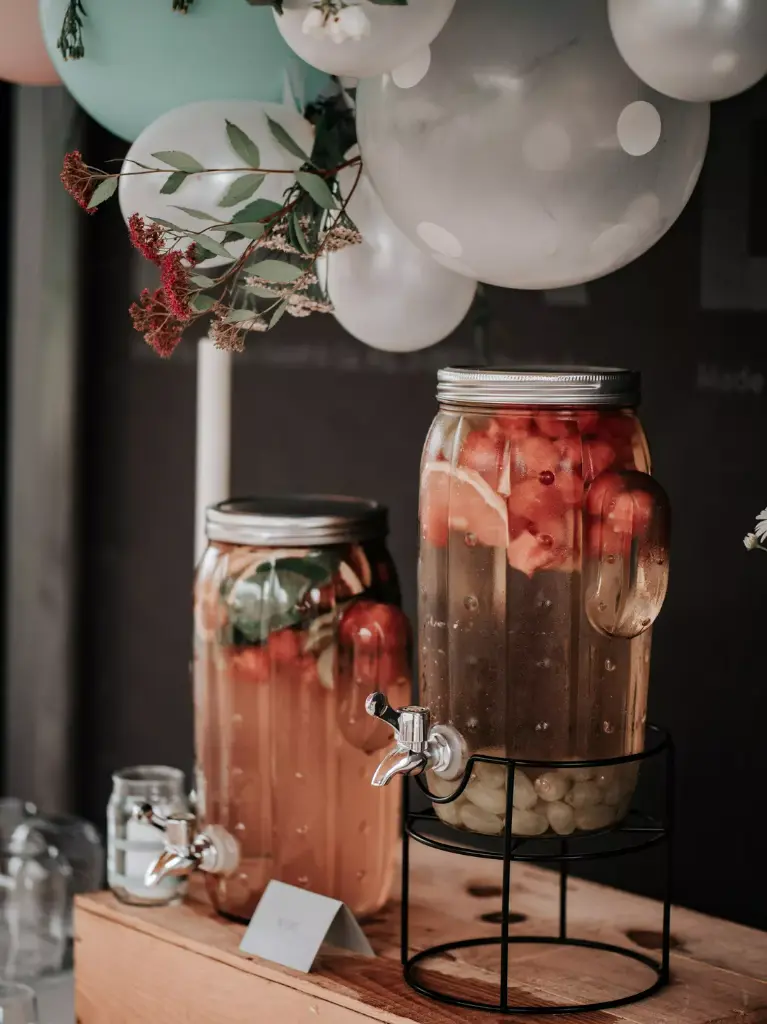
(563,386)
(296,520)
(148,775)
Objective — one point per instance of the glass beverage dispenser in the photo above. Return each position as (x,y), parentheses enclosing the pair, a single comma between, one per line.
(543,564)
(297,618)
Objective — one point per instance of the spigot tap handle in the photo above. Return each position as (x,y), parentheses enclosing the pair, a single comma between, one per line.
(147,814)
(377,706)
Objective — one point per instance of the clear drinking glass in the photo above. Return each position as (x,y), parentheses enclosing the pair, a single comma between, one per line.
(34,897)
(14,812)
(18,1004)
(544,563)
(132,846)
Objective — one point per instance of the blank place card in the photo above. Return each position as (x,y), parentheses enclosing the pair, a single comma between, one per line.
(290,925)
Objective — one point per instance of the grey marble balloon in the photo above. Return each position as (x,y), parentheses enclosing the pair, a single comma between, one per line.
(529,155)
(698,50)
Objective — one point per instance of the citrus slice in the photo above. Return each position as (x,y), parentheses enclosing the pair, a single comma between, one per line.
(460,499)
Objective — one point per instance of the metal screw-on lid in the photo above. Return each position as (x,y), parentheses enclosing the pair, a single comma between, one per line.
(296,521)
(544,385)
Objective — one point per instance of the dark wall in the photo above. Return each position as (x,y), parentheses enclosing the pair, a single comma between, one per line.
(315,410)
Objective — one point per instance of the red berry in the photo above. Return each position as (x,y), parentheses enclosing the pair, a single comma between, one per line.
(547,478)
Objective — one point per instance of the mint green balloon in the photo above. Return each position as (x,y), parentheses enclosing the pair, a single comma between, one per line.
(143,59)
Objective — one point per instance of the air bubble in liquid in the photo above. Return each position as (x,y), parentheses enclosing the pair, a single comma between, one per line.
(299,775)
(302,830)
(303,879)
(541,726)
(543,663)
(239,827)
(472,724)
(471,540)
(364,828)
(610,559)
(236,719)
(471,603)
(602,606)
(608,727)
(361,875)
(609,665)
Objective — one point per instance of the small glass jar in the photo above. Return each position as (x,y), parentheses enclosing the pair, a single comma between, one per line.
(297,619)
(132,845)
(18,1004)
(34,897)
(543,564)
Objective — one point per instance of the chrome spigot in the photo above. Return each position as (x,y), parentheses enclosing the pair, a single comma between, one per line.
(186,850)
(419,745)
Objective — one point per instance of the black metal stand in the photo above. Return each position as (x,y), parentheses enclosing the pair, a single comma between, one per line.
(636,832)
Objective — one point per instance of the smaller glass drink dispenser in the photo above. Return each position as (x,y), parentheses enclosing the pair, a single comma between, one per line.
(297,618)
(543,565)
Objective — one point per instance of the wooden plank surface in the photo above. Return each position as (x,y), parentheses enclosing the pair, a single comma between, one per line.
(182,965)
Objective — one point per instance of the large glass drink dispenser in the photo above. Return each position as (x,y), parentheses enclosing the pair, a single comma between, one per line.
(543,564)
(296,618)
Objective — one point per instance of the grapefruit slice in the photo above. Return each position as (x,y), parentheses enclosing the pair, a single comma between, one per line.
(460,499)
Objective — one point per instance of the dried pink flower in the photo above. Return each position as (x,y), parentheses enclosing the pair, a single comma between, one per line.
(78,180)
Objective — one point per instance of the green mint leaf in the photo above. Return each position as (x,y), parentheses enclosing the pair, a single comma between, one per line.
(242,188)
(241,316)
(281,137)
(243,145)
(173,183)
(197,214)
(104,190)
(317,188)
(275,270)
(214,248)
(200,280)
(253,231)
(202,303)
(181,161)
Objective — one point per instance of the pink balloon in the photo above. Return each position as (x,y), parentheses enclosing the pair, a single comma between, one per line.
(23,57)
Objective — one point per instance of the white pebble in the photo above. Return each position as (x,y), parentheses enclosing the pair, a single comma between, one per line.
(491,800)
(589,818)
(613,793)
(439,786)
(584,794)
(492,775)
(579,774)
(605,777)
(552,785)
(528,823)
(525,797)
(449,813)
(561,817)
(477,820)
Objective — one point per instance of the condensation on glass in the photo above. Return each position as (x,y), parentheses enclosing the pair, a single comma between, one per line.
(543,564)
(297,618)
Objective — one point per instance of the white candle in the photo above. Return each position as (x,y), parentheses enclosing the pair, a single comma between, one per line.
(214,428)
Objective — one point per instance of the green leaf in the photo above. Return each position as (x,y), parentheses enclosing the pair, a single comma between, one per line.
(243,145)
(241,316)
(212,247)
(252,231)
(173,183)
(202,303)
(278,314)
(242,188)
(298,231)
(259,209)
(275,270)
(181,161)
(104,190)
(317,188)
(200,280)
(257,289)
(197,214)
(283,139)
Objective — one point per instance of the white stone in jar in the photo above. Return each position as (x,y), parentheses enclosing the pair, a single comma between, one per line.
(584,794)
(439,786)
(477,820)
(491,800)
(528,823)
(560,816)
(552,785)
(490,775)
(613,793)
(590,818)
(449,813)
(525,797)
(579,774)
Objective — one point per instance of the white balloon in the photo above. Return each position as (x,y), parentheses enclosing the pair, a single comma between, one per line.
(199,129)
(530,155)
(394,36)
(702,51)
(385,291)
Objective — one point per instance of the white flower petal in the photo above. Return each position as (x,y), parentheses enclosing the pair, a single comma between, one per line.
(335,29)
(761,530)
(314,23)
(355,22)
(762,514)
(750,541)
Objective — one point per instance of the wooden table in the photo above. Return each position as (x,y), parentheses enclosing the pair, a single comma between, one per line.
(181,965)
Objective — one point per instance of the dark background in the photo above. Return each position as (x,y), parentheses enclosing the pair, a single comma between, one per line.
(315,410)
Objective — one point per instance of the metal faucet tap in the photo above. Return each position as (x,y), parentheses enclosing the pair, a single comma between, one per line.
(419,745)
(186,850)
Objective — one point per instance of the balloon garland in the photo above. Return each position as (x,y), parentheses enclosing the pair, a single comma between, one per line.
(522,145)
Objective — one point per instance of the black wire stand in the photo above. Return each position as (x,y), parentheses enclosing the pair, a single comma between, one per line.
(635,833)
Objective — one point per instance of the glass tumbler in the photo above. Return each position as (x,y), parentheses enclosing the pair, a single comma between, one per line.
(133,846)
(34,894)
(18,1004)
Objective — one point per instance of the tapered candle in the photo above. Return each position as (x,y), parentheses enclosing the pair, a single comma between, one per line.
(214,430)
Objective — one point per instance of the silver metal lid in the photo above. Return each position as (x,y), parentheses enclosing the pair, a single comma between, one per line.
(296,521)
(539,385)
